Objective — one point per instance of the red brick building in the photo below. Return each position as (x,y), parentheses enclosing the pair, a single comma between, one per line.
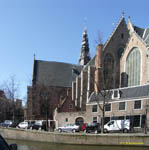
(52,85)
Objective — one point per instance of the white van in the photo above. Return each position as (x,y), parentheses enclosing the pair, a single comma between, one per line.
(117,125)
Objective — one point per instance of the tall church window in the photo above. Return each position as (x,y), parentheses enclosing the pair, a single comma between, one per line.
(108,68)
(133,67)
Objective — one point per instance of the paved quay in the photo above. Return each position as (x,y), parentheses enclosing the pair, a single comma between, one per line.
(137,139)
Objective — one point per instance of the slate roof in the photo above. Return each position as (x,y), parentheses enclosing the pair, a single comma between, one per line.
(139,31)
(125,94)
(52,73)
(143,33)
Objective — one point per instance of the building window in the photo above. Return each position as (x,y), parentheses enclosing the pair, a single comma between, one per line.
(94,119)
(108,107)
(136,121)
(137,104)
(133,67)
(70,106)
(94,108)
(122,35)
(122,106)
(106,120)
(115,93)
(66,119)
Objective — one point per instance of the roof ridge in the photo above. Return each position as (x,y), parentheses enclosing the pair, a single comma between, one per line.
(146,37)
(139,37)
(144,33)
(114,30)
(58,62)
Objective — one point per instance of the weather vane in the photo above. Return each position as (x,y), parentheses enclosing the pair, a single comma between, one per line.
(123,13)
(85,22)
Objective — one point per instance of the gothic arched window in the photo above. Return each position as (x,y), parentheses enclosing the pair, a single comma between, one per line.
(108,68)
(133,67)
(108,62)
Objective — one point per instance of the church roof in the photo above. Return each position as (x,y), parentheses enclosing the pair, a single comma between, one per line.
(125,94)
(139,31)
(121,21)
(52,73)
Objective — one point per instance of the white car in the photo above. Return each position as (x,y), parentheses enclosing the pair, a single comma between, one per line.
(23,125)
(69,128)
(117,125)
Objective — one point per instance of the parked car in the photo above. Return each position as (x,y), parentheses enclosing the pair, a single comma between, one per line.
(6,123)
(30,124)
(4,145)
(93,128)
(69,128)
(23,125)
(39,125)
(14,124)
(117,125)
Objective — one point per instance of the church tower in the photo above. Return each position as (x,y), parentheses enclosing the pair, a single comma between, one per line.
(85,55)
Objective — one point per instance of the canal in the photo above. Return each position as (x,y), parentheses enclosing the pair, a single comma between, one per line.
(26,145)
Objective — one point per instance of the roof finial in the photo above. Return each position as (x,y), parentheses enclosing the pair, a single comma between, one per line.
(123,13)
(34,56)
(85,22)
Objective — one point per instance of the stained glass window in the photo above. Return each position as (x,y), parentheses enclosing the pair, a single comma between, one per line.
(133,65)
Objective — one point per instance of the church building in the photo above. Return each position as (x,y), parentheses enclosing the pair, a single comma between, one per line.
(120,68)
(69,93)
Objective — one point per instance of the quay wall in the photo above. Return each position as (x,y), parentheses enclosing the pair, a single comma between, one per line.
(76,138)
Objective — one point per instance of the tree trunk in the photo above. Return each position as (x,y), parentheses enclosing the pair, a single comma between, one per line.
(103,117)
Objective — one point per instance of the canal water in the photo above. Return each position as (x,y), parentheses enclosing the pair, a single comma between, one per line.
(26,145)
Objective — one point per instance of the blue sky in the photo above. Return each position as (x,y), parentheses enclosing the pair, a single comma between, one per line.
(52,29)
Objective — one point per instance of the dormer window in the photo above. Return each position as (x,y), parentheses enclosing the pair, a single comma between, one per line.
(116,94)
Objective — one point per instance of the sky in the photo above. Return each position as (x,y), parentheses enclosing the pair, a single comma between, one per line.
(52,30)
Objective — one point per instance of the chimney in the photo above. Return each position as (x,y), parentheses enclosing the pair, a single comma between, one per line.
(98,71)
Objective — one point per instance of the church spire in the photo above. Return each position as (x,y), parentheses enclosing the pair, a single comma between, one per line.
(85,56)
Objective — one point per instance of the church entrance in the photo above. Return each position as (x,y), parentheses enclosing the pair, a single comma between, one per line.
(79,121)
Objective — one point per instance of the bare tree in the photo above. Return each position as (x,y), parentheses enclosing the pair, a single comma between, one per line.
(11,88)
(45,99)
(103,83)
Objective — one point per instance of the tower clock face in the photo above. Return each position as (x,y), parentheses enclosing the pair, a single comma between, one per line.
(120,52)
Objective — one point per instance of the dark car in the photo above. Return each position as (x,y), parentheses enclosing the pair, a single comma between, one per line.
(6,123)
(39,125)
(30,124)
(14,124)
(93,128)
(4,145)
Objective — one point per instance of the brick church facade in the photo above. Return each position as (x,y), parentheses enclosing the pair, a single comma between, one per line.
(122,62)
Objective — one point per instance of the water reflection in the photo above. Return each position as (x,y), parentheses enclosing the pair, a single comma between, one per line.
(25,145)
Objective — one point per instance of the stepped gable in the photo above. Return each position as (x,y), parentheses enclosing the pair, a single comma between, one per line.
(52,73)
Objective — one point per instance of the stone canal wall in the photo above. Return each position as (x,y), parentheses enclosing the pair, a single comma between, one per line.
(76,138)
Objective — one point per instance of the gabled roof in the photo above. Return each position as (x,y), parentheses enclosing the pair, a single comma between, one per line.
(143,34)
(114,31)
(52,73)
(128,93)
